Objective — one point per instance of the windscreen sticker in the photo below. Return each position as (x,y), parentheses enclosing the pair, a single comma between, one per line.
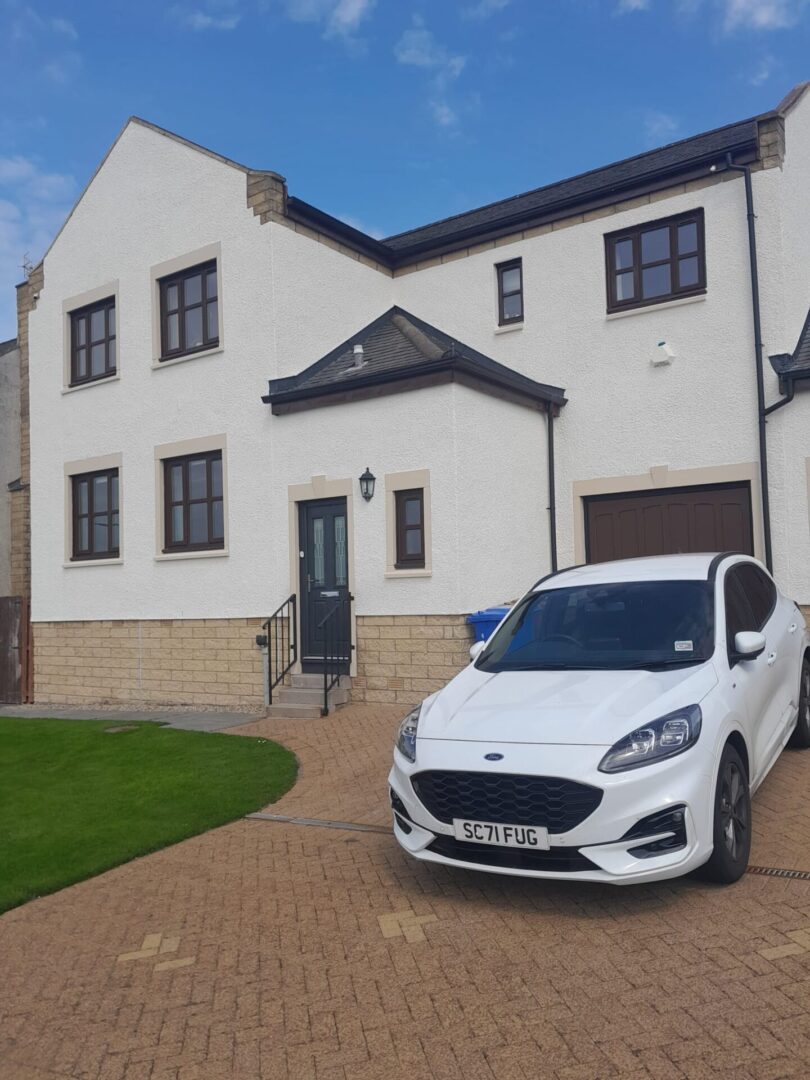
(684,646)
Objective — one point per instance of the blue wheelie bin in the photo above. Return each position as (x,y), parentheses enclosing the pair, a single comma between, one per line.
(484,622)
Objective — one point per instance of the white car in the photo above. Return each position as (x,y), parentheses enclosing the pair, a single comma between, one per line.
(612,728)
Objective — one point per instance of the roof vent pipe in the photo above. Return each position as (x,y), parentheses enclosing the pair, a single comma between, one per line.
(358,354)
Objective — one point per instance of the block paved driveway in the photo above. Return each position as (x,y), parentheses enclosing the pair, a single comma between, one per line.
(275,950)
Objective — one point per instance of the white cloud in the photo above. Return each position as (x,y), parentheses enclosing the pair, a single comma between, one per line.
(762,14)
(33,205)
(762,71)
(64,26)
(483,9)
(356,223)
(63,69)
(659,127)
(626,7)
(339,18)
(27,24)
(215,15)
(418,47)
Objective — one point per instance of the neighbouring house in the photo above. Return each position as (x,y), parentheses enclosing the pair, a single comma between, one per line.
(240,405)
(9,451)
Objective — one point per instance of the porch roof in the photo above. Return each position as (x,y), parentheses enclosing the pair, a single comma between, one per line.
(401,352)
(795,365)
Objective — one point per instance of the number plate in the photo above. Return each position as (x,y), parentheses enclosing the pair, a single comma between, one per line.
(486,832)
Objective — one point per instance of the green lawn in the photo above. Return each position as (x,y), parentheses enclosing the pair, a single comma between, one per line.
(76,799)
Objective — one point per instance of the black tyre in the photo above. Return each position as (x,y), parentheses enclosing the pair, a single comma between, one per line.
(801,733)
(732,821)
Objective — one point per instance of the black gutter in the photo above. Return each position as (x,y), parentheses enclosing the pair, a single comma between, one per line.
(552,495)
(756,312)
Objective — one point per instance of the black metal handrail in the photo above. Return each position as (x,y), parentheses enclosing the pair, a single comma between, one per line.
(282,643)
(336,627)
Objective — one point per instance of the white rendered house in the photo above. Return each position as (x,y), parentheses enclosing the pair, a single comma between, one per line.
(564,376)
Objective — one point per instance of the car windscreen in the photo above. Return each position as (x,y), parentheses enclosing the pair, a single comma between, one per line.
(626,624)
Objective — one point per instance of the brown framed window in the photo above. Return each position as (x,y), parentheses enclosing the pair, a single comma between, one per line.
(95,515)
(193,502)
(510,292)
(657,261)
(410,523)
(92,342)
(189,311)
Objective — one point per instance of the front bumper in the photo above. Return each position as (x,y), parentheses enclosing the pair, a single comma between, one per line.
(597,849)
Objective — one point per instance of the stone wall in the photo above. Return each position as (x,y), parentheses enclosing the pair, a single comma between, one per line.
(213,662)
(403,658)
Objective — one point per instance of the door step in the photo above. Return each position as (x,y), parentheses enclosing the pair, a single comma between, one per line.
(303,700)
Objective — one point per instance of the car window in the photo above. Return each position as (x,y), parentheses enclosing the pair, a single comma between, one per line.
(739,615)
(628,624)
(759,589)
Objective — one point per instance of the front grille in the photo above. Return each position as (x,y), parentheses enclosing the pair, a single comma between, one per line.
(506,798)
(555,861)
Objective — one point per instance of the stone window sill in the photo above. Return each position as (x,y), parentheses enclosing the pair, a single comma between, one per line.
(91,382)
(408,573)
(158,364)
(173,556)
(92,562)
(664,306)
(509,328)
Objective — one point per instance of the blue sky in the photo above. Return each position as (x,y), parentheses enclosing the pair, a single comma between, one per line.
(387,113)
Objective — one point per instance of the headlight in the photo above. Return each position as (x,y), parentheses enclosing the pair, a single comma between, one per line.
(663,738)
(406,736)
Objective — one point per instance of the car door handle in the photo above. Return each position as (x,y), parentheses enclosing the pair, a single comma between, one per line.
(771,659)
(793,628)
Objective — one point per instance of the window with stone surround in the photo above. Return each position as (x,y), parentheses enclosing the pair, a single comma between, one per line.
(193,503)
(655,262)
(510,292)
(95,515)
(410,526)
(189,311)
(92,342)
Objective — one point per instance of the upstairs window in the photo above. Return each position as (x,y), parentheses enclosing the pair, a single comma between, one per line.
(189,311)
(95,515)
(510,292)
(659,261)
(410,524)
(193,502)
(92,342)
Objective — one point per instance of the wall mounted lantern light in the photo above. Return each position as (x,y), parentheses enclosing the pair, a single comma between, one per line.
(367,482)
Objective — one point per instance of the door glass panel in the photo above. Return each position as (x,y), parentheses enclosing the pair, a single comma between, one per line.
(318,568)
(655,281)
(196,479)
(194,334)
(198,523)
(655,245)
(341,573)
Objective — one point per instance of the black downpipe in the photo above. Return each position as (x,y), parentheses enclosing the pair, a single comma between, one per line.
(761,412)
(552,496)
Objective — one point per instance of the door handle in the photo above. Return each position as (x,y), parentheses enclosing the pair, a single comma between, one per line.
(793,628)
(771,659)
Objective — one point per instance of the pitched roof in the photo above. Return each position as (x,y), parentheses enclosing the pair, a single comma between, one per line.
(7,346)
(402,352)
(795,365)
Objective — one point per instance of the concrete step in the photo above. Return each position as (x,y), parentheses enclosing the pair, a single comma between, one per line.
(300,696)
(294,712)
(315,681)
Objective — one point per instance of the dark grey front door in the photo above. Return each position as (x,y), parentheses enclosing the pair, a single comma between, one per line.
(323,536)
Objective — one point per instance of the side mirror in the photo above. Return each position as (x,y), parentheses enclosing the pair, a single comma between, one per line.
(748,645)
(477,648)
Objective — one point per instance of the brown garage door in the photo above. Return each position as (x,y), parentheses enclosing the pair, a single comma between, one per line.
(712,518)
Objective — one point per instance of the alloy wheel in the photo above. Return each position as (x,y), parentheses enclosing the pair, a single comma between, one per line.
(733,810)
